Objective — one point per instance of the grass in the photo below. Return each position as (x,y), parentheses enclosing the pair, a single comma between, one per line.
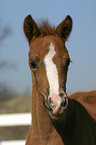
(14,105)
(13,133)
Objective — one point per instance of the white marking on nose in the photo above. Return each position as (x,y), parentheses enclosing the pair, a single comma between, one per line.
(51,70)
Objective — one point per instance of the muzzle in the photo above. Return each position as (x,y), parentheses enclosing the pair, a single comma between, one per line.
(58,103)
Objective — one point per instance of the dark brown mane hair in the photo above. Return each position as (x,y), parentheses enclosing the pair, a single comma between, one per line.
(45,28)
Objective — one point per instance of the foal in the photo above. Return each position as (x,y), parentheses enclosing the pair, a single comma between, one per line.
(49,61)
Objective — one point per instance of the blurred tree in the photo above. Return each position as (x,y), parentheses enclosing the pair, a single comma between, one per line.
(4,90)
(4,32)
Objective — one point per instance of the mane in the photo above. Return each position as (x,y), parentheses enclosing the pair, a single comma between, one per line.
(45,28)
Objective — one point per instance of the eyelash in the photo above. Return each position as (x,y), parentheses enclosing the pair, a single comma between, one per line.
(68,62)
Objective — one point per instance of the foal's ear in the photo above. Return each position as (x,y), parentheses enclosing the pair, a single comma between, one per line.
(64,28)
(30,28)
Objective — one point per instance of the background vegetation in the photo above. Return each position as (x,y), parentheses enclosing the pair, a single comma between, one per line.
(14,105)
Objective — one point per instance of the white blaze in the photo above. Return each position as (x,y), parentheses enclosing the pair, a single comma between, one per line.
(51,70)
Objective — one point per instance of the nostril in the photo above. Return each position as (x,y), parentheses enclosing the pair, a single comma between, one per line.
(61,95)
(50,101)
(65,102)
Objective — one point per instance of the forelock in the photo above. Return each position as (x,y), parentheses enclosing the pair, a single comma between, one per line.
(45,28)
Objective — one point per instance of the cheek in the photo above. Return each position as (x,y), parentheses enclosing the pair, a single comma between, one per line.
(42,79)
(62,74)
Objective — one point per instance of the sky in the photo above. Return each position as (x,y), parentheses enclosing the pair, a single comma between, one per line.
(81,44)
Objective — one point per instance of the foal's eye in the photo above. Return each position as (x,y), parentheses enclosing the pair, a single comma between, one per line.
(67,62)
(33,64)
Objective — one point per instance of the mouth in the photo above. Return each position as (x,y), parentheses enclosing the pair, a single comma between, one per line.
(55,104)
(58,103)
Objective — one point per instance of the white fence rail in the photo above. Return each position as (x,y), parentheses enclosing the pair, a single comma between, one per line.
(18,119)
(13,142)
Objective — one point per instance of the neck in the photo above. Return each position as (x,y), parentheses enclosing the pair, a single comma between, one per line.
(65,123)
(41,123)
(75,123)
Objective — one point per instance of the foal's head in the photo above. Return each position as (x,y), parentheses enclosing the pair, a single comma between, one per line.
(49,61)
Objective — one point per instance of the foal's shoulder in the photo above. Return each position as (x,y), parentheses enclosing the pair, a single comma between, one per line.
(88,100)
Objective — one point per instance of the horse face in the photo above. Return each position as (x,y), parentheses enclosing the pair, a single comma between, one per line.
(49,61)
